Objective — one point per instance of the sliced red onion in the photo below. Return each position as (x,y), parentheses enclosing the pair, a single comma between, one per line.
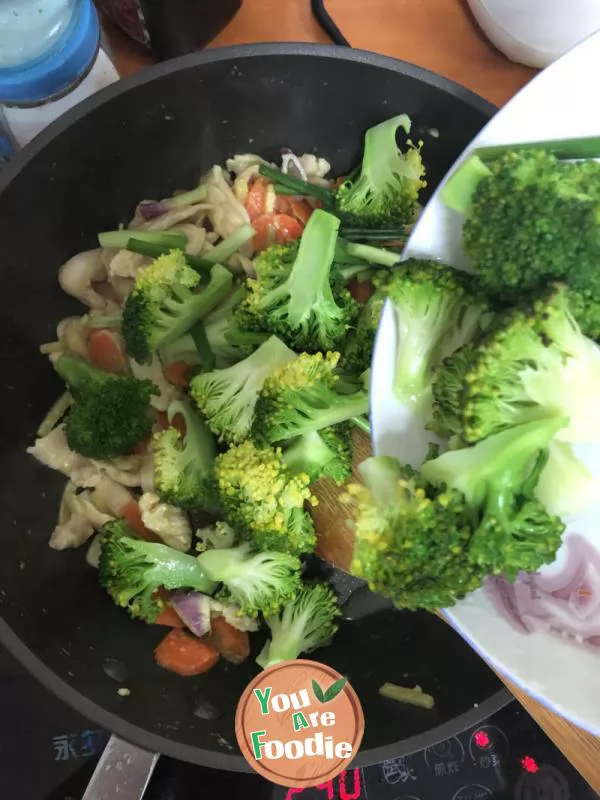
(150,209)
(565,603)
(194,611)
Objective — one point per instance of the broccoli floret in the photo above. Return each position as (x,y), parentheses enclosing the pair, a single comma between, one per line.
(412,539)
(296,296)
(435,314)
(386,192)
(303,396)
(534,363)
(306,623)
(111,413)
(585,307)
(257,583)
(531,218)
(183,465)
(165,303)
(498,478)
(322,454)
(262,500)
(227,397)
(449,383)
(132,570)
(358,351)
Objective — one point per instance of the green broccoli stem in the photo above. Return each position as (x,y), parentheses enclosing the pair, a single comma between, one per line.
(303,454)
(497,468)
(205,301)
(151,250)
(171,240)
(76,373)
(224,564)
(295,185)
(205,351)
(309,281)
(373,255)
(389,235)
(381,475)
(225,249)
(198,439)
(457,192)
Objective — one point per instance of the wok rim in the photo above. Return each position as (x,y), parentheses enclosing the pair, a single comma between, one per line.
(60,688)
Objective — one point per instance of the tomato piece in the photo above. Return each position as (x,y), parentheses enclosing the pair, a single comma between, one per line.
(133,516)
(169,617)
(275,229)
(185,654)
(231,643)
(257,198)
(177,374)
(105,351)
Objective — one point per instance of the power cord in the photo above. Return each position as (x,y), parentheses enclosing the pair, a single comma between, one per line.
(327,24)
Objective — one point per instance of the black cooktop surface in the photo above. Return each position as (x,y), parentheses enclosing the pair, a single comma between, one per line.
(48,752)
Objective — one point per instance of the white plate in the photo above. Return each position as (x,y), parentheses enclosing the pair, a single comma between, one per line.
(562,674)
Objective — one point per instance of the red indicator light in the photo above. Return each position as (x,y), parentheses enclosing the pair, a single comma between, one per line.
(482,739)
(529,764)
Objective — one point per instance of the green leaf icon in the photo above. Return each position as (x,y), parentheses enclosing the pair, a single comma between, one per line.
(335,688)
(318,692)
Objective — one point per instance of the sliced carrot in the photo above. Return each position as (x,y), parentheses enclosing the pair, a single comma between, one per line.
(178,422)
(300,210)
(231,643)
(140,448)
(361,290)
(177,374)
(256,200)
(275,229)
(133,516)
(105,351)
(185,654)
(169,617)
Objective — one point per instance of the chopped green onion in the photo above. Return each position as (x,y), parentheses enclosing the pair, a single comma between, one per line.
(225,249)
(363,425)
(374,234)
(205,351)
(373,255)
(150,250)
(119,239)
(295,185)
(564,149)
(402,694)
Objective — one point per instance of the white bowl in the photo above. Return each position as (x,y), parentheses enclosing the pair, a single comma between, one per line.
(559,672)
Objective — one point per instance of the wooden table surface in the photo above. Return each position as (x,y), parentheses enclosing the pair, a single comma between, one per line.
(442,36)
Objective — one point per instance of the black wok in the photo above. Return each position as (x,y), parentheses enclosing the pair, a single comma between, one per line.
(146,137)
